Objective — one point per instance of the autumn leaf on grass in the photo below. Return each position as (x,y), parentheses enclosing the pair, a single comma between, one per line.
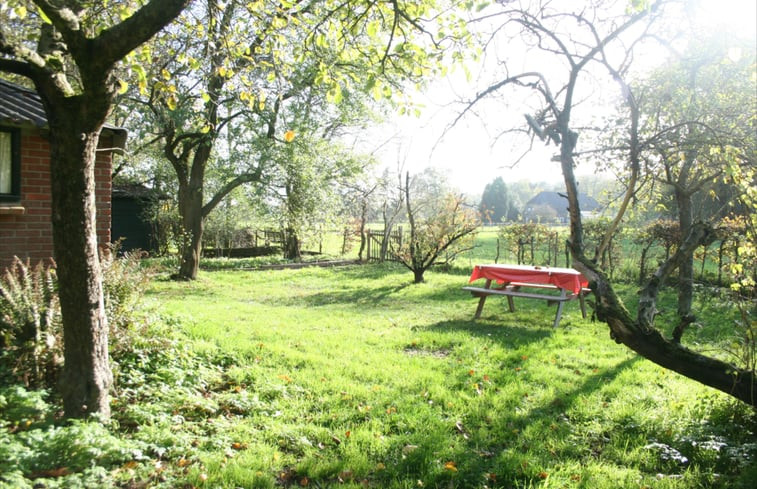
(285,378)
(51,473)
(451,466)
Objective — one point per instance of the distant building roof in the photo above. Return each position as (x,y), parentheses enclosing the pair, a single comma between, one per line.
(560,204)
(21,106)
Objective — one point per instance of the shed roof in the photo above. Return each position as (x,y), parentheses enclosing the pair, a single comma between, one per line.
(21,106)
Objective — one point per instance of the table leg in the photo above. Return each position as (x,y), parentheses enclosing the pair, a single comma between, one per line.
(560,305)
(482,300)
(510,303)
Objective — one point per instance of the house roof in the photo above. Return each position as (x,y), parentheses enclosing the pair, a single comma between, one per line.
(560,203)
(21,106)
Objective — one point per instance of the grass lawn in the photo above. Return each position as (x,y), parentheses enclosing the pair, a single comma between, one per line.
(354,377)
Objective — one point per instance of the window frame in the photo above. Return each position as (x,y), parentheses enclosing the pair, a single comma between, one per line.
(15,193)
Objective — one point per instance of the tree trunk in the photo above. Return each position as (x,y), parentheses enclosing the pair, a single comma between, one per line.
(86,377)
(686,267)
(190,207)
(640,335)
(418,275)
(363,213)
(292,249)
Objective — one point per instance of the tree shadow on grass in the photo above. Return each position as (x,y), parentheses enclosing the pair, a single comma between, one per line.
(491,447)
(511,336)
(372,295)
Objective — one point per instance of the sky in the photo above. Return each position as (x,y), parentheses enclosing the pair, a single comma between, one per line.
(467,152)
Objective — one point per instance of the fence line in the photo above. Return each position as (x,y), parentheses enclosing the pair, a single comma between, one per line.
(376,251)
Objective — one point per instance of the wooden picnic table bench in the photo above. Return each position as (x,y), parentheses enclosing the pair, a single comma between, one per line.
(513,278)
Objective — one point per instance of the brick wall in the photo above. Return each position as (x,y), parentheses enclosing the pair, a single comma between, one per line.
(25,227)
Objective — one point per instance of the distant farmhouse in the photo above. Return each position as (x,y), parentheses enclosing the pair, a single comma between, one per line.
(551,207)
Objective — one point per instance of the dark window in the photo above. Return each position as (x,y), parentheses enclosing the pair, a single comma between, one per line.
(10,165)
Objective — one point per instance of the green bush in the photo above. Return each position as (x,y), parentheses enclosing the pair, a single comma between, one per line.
(31,336)
(30,327)
(124,282)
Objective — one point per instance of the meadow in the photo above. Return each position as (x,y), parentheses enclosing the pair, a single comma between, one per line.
(354,377)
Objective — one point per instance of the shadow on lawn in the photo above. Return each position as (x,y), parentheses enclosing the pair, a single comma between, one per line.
(509,335)
(373,296)
(492,446)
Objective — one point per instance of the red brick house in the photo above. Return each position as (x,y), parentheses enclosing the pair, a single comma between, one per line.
(25,200)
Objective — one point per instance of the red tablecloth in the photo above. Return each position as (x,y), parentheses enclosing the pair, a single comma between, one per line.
(565,278)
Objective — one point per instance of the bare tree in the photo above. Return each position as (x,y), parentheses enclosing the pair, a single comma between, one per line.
(434,231)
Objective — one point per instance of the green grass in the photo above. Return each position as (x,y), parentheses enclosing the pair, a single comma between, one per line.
(354,377)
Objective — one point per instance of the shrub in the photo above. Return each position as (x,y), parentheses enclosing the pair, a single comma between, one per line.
(30,326)
(31,344)
(124,282)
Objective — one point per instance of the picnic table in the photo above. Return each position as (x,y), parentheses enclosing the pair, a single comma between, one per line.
(510,281)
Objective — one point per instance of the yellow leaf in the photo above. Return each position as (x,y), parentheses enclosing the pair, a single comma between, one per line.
(451,466)
(165,74)
(122,87)
(171,102)
(44,16)
(289,136)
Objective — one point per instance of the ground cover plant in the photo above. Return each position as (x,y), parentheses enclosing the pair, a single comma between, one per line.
(354,377)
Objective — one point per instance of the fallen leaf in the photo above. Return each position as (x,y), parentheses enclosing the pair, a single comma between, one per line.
(451,466)
(52,473)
